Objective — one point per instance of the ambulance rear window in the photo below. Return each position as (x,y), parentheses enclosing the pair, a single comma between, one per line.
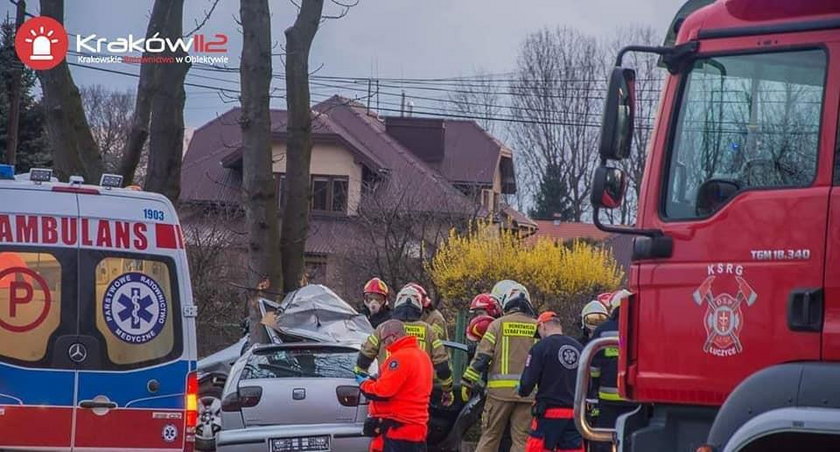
(30,304)
(136,309)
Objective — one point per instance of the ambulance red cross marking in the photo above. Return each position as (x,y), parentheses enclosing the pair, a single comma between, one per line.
(21,293)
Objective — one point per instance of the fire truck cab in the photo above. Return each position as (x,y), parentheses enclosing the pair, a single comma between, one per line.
(97,323)
(731,340)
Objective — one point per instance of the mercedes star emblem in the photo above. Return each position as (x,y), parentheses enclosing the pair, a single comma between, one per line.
(77,352)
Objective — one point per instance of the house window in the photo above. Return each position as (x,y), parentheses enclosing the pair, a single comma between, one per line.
(329,193)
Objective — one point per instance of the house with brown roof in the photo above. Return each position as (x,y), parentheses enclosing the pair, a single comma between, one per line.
(376,183)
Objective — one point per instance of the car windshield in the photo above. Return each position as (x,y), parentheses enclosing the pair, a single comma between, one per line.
(301,362)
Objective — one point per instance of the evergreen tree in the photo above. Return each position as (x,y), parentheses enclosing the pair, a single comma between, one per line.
(551,200)
(33,148)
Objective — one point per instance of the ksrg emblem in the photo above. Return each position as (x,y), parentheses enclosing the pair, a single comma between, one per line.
(724,318)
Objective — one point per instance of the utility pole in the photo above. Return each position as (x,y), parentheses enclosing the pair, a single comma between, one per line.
(14,93)
(377,97)
(367,100)
(402,105)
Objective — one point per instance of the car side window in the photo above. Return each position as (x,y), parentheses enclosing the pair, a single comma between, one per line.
(745,122)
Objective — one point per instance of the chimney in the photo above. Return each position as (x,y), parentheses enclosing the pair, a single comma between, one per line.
(424,137)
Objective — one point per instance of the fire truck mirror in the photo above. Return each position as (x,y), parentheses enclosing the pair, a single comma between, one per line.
(619,111)
(608,187)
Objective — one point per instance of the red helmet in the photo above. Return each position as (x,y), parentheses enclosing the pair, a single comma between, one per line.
(478,326)
(605,298)
(487,303)
(426,300)
(376,285)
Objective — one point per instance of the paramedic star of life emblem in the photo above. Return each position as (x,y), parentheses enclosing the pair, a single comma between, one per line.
(724,319)
(135,308)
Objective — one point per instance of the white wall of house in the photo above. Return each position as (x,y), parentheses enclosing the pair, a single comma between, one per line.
(329,160)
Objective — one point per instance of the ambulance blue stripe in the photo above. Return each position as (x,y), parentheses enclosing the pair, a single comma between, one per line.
(35,387)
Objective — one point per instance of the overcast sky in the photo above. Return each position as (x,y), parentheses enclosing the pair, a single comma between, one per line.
(384,38)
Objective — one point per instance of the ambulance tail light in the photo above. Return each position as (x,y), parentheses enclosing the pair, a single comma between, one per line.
(192,401)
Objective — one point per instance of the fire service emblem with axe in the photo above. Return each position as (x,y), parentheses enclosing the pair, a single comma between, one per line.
(724,319)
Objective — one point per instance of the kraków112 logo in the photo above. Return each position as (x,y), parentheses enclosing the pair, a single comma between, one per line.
(41,43)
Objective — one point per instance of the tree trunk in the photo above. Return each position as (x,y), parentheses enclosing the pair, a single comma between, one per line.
(74,149)
(299,142)
(166,140)
(146,88)
(15,88)
(260,199)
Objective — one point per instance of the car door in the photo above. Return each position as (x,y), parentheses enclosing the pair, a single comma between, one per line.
(38,273)
(131,387)
(744,197)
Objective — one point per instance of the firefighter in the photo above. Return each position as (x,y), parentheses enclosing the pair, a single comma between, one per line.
(408,307)
(502,352)
(605,369)
(399,407)
(552,367)
(475,331)
(375,304)
(431,314)
(485,304)
(593,314)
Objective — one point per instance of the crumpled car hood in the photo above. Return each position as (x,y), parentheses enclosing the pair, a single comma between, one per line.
(316,313)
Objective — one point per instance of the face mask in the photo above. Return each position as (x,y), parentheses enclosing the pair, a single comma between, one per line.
(373,306)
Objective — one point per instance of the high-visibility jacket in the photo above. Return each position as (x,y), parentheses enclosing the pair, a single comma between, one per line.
(402,390)
(434,318)
(428,341)
(503,352)
(605,364)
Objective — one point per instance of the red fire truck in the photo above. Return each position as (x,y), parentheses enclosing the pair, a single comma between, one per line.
(731,341)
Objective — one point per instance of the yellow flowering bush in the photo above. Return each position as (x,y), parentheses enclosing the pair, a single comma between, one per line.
(470,263)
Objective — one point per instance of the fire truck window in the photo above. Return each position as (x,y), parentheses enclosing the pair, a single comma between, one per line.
(752,120)
(135,309)
(30,304)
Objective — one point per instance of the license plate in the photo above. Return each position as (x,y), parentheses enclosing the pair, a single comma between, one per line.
(305,443)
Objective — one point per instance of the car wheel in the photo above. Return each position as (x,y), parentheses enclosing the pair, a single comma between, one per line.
(209,416)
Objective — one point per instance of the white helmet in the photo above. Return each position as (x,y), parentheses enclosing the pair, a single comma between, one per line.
(509,291)
(593,314)
(409,295)
(617,297)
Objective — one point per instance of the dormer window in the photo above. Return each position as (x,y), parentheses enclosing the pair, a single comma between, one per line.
(329,193)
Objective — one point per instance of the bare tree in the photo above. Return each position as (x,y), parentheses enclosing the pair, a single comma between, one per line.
(110,114)
(260,201)
(299,142)
(557,94)
(74,149)
(649,79)
(478,96)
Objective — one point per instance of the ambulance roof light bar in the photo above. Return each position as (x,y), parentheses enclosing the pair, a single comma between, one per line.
(40,175)
(110,181)
(7,172)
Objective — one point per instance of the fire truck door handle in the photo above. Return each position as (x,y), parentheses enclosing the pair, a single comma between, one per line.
(96,404)
(805,310)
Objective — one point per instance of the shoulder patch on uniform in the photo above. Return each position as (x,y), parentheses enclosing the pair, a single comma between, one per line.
(393,365)
(568,356)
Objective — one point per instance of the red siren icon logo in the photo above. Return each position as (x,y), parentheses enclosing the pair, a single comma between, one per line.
(41,43)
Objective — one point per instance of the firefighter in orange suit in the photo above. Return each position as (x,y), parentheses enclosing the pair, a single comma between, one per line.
(552,367)
(502,353)
(400,394)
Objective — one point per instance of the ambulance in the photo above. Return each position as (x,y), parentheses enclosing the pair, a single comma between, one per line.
(97,322)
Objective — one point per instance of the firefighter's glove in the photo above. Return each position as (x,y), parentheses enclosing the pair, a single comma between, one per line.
(447,398)
(466,391)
